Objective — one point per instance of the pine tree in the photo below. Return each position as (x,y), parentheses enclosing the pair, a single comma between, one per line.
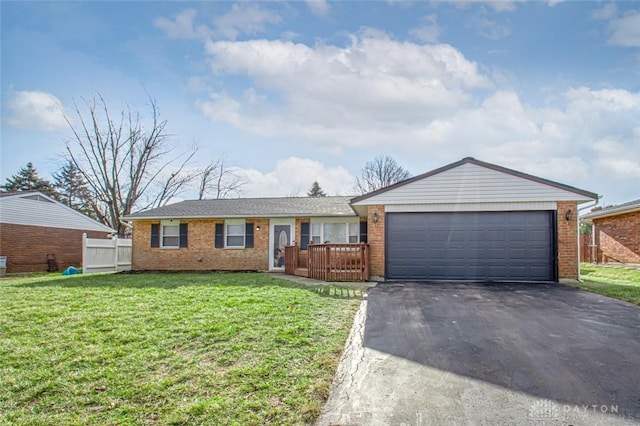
(27,179)
(316,191)
(73,189)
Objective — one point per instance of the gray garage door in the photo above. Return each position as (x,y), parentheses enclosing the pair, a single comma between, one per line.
(471,246)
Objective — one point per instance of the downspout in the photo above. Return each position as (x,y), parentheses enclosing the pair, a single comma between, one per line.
(593,231)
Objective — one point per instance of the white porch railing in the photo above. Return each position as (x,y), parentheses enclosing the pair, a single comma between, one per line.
(105,255)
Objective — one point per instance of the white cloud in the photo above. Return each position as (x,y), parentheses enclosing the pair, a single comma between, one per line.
(36,110)
(241,19)
(619,168)
(606,99)
(605,12)
(496,5)
(491,29)
(335,97)
(293,176)
(625,31)
(429,32)
(245,18)
(554,3)
(319,7)
(419,103)
(180,28)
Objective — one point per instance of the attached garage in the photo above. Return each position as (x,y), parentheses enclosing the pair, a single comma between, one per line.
(472,220)
(471,246)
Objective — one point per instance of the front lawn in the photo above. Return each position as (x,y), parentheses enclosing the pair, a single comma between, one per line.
(185,349)
(620,283)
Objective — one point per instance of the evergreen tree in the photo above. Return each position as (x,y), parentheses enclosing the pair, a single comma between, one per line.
(27,179)
(316,191)
(73,189)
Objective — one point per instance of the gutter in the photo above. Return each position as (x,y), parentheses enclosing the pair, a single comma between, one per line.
(593,233)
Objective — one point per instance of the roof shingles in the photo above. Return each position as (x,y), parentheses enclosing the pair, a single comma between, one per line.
(251,207)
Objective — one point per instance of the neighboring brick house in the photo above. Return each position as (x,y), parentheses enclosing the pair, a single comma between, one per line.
(35,227)
(616,233)
(469,220)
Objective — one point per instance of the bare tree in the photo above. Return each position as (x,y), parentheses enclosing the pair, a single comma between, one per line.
(218,180)
(382,171)
(124,161)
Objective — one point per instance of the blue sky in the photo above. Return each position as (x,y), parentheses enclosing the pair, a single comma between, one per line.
(292,92)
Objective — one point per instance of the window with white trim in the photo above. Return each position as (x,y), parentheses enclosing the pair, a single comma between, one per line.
(334,232)
(316,233)
(234,233)
(170,234)
(354,232)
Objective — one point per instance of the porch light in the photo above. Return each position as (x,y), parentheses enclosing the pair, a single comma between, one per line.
(258,228)
(569,215)
(374,217)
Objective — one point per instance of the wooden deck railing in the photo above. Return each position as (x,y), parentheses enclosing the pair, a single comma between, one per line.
(329,262)
(291,254)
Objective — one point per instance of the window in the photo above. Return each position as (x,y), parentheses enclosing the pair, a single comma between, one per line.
(354,231)
(335,232)
(234,233)
(170,235)
(235,236)
(316,233)
(330,230)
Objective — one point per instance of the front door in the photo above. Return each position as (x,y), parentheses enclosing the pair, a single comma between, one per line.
(281,235)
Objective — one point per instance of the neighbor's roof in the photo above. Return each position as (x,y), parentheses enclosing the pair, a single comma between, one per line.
(251,207)
(631,206)
(33,208)
(471,160)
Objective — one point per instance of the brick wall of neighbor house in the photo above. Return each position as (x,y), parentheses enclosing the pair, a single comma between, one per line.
(27,247)
(618,237)
(200,255)
(375,236)
(567,241)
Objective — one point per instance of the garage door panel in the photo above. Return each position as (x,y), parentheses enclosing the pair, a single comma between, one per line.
(495,235)
(496,253)
(471,245)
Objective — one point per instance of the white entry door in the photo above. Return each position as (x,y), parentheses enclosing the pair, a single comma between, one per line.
(281,234)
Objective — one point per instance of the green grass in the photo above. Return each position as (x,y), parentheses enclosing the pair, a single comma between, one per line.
(179,349)
(619,283)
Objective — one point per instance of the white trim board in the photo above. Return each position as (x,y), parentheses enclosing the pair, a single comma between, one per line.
(469,207)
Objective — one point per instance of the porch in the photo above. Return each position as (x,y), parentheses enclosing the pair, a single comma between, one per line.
(328,262)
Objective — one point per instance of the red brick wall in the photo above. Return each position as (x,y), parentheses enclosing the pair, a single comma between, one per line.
(201,253)
(618,237)
(568,261)
(375,236)
(27,247)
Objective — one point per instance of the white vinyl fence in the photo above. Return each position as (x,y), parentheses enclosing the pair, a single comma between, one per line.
(105,255)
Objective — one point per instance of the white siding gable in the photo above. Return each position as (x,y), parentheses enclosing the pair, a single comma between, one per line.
(35,209)
(471,183)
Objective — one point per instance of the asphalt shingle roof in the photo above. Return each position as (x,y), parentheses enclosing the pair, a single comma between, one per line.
(613,210)
(251,207)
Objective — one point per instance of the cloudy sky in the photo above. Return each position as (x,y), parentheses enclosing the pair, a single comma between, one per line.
(292,92)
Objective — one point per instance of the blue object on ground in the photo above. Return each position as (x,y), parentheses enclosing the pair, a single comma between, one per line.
(70,271)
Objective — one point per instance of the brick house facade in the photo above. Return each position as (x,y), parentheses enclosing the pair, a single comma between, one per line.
(540,219)
(34,227)
(27,247)
(616,233)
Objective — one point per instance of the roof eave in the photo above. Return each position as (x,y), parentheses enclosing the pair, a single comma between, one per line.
(610,212)
(260,216)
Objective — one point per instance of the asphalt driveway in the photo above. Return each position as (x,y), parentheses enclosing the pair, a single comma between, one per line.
(425,354)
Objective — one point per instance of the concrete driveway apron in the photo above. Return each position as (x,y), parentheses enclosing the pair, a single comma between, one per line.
(488,354)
